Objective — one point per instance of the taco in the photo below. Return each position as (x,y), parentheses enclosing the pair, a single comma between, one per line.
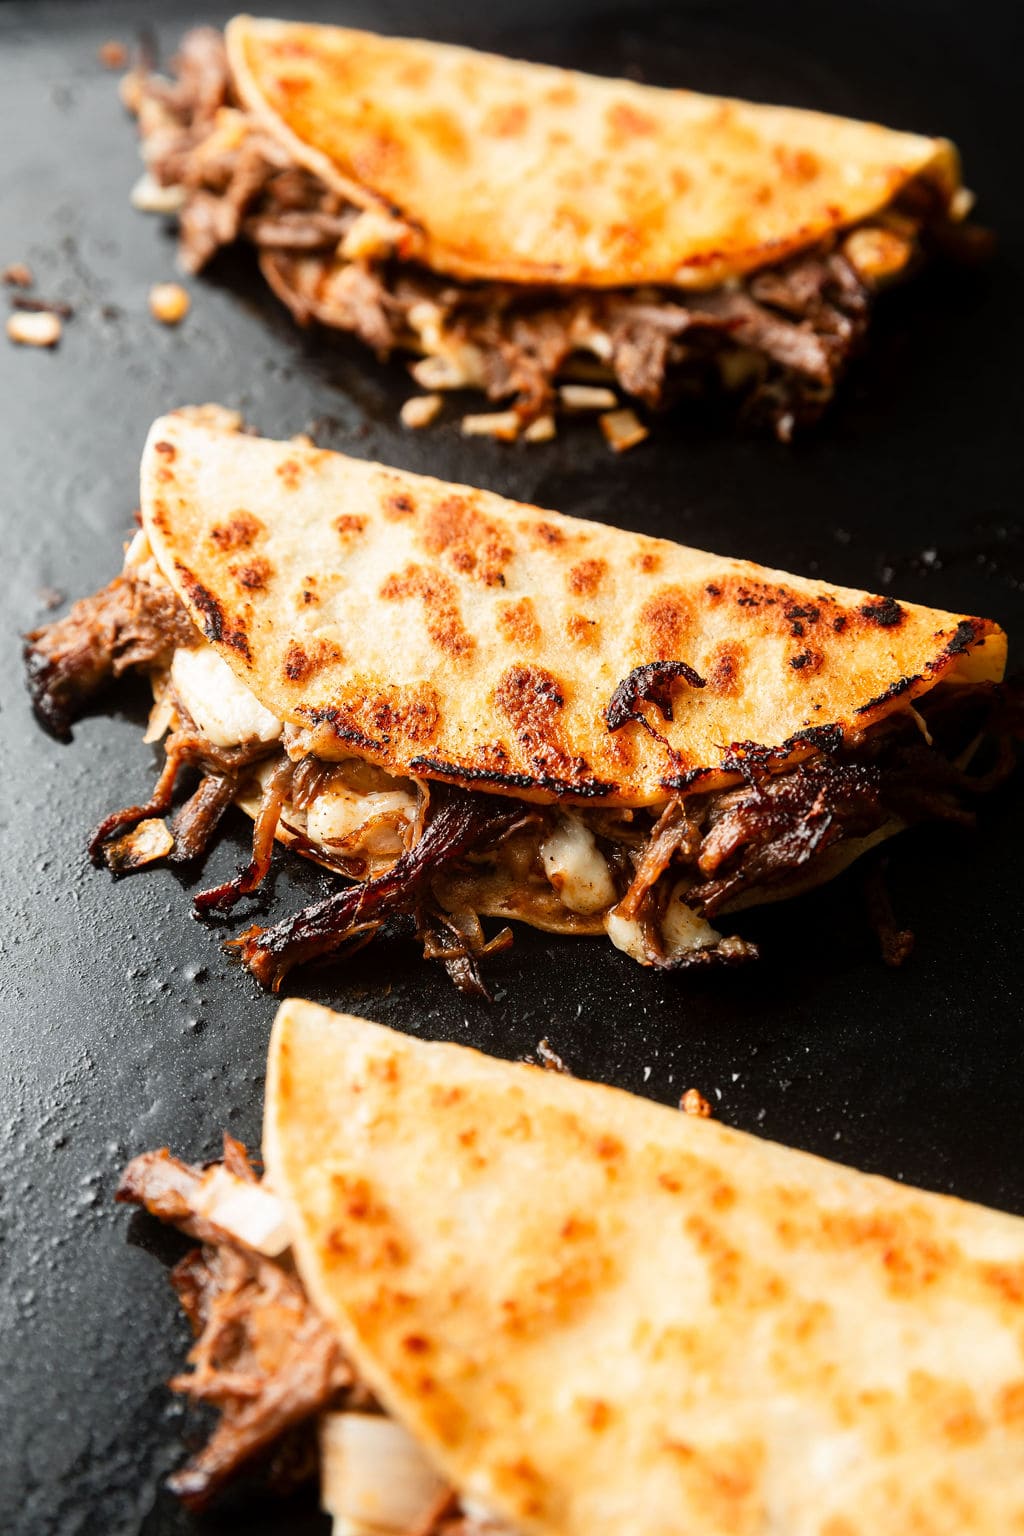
(511,1301)
(471,707)
(538,234)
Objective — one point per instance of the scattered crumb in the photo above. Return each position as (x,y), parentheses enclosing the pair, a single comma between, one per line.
(49,598)
(962,202)
(693,1102)
(169,303)
(112,54)
(41,329)
(439,373)
(420,410)
(18,275)
(541,430)
(147,842)
(149,196)
(587,397)
(622,429)
(550,1058)
(32,305)
(503,425)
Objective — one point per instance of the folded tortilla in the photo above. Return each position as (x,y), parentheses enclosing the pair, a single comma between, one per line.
(481,708)
(593,1314)
(440,630)
(523,173)
(518,225)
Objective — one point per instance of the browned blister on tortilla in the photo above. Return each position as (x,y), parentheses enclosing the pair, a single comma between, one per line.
(508,170)
(444,632)
(597,1315)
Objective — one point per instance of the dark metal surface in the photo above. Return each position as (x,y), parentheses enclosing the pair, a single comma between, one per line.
(124,1026)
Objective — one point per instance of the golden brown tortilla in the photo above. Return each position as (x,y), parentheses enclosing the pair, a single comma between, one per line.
(597,1315)
(531,174)
(444,632)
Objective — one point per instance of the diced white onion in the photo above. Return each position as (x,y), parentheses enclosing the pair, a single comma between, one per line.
(373,234)
(540,430)
(225,710)
(440,373)
(374,1479)
(150,196)
(877,254)
(587,397)
(504,425)
(622,429)
(589,339)
(574,865)
(420,410)
(249,1212)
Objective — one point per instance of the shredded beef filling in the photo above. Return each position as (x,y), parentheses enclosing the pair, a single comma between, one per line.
(263,1357)
(783,337)
(776,831)
(129,625)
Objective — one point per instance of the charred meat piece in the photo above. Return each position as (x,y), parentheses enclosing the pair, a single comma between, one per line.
(131,623)
(224,770)
(456,822)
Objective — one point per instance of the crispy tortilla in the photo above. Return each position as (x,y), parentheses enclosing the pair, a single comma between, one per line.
(444,632)
(530,174)
(596,1314)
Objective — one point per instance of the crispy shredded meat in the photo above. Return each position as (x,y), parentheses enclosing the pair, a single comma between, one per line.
(225,770)
(455,823)
(777,832)
(263,1357)
(784,336)
(131,625)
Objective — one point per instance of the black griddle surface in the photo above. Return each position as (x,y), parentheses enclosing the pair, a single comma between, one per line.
(124,1025)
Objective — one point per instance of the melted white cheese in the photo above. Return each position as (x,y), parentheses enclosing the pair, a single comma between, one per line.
(224,709)
(336,815)
(682,931)
(574,865)
(626,934)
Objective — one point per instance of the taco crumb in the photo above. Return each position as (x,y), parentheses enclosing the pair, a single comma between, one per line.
(540,430)
(587,397)
(693,1102)
(420,410)
(149,196)
(622,429)
(18,275)
(112,54)
(39,329)
(504,425)
(169,303)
